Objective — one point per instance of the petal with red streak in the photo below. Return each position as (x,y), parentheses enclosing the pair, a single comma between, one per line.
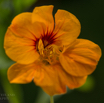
(43,15)
(20,49)
(67,27)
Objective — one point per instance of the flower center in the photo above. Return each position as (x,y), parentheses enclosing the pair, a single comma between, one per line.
(48,54)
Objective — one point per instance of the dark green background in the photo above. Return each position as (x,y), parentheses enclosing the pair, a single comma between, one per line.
(91,14)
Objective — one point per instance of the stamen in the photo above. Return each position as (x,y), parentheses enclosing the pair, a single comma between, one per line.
(48,54)
(40,47)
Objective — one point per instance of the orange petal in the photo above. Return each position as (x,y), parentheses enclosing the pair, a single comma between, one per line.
(69,80)
(43,15)
(19,49)
(81,58)
(19,73)
(47,78)
(67,27)
(22,26)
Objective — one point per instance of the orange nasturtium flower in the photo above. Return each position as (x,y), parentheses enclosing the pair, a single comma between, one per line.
(47,51)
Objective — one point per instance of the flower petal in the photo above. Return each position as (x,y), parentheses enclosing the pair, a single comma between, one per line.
(47,78)
(81,58)
(19,73)
(20,49)
(69,80)
(22,26)
(67,27)
(43,15)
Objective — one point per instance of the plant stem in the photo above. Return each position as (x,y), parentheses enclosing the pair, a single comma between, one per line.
(51,99)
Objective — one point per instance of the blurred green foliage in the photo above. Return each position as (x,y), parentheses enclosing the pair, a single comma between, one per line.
(88,86)
(91,15)
(12,92)
(19,5)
